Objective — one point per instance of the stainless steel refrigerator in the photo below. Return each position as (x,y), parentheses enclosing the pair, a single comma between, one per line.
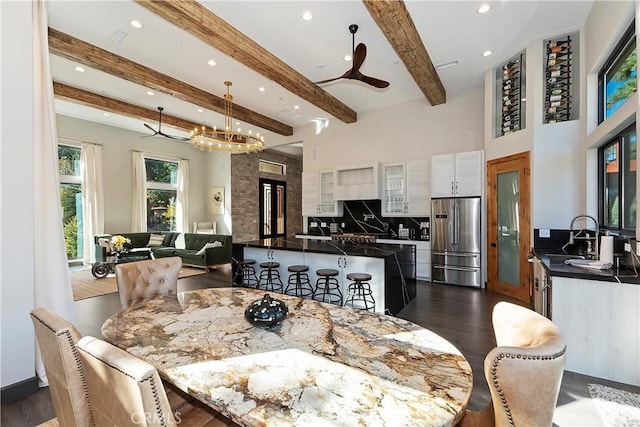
(455,241)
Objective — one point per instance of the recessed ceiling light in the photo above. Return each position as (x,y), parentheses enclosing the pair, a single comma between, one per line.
(150,93)
(296,107)
(136,24)
(179,45)
(211,62)
(107,114)
(262,89)
(200,110)
(79,69)
(348,57)
(307,16)
(446,65)
(484,8)
(487,53)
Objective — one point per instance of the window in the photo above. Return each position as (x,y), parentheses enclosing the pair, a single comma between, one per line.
(161,194)
(618,182)
(617,79)
(272,167)
(71,199)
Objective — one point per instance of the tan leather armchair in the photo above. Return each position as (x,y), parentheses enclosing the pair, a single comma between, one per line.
(145,280)
(524,371)
(57,340)
(125,390)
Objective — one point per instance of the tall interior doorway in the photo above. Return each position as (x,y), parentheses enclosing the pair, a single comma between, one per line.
(273,208)
(509,225)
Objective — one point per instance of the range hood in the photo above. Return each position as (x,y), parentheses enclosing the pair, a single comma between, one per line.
(357,182)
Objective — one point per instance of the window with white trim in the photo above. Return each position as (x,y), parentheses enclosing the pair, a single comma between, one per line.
(71,199)
(162,188)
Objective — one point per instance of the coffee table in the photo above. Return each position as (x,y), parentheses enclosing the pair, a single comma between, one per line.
(102,269)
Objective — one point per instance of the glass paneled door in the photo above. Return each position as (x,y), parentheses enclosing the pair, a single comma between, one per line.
(508,226)
(273,208)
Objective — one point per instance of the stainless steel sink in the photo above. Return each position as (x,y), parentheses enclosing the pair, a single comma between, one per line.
(561,258)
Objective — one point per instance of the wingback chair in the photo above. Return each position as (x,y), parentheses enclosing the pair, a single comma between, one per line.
(125,390)
(57,340)
(524,371)
(144,280)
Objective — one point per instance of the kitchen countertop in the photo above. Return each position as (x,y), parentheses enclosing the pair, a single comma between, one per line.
(560,269)
(375,250)
(381,237)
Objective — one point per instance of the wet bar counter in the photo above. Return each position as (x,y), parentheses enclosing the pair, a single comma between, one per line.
(392,267)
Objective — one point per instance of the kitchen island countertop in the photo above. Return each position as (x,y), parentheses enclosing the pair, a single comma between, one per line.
(376,250)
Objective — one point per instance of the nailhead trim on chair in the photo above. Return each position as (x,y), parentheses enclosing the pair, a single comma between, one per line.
(496,383)
(76,357)
(154,389)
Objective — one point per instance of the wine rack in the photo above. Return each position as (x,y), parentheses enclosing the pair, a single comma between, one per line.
(558,102)
(510,79)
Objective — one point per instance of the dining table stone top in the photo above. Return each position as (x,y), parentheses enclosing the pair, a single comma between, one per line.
(323,365)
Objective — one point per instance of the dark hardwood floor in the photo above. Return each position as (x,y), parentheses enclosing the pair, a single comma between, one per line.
(461,315)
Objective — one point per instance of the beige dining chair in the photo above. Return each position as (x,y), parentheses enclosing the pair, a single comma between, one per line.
(125,390)
(144,280)
(57,340)
(204,227)
(524,370)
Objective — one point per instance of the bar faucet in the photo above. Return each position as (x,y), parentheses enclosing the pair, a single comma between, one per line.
(572,236)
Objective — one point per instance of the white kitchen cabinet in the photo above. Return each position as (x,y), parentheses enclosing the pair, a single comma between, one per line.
(405,188)
(357,182)
(423,255)
(318,198)
(457,175)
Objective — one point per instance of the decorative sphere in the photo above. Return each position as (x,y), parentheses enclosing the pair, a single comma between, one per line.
(266,311)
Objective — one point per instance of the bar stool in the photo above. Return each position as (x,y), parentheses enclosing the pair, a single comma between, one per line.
(270,277)
(327,287)
(359,293)
(298,283)
(246,273)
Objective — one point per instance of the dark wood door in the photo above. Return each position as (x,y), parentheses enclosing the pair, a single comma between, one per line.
(273,208)
(509,226)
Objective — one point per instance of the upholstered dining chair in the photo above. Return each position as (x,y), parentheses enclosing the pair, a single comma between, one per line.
(57,340)
(125,390)
(524,370)
(144,280)
(204,227)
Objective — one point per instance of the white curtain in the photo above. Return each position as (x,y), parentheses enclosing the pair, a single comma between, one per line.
(139,198)
(92,198)
(182,198)
(52,288)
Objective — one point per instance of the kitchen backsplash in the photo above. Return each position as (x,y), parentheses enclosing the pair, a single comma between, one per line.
(364,216)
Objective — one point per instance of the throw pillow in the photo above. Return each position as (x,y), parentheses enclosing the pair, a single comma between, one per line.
(180,244)
(208,245)
(155,240)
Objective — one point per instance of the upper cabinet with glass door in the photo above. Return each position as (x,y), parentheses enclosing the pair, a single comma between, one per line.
(406,188)
(328,206)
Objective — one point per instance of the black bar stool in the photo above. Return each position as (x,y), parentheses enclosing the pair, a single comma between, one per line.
(359,293)
(246,273)
(327,287)
(270,277)
(298,283)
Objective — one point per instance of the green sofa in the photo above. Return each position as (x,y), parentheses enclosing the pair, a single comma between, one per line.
(193,243)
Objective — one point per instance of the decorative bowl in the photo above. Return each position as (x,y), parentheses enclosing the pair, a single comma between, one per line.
(266,312)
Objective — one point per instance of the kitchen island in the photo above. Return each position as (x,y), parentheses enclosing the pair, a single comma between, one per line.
(392,267)
(598,312)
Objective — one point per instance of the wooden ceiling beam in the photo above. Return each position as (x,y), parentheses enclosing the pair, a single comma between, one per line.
(90,99)
(76,50)
(395,22)
(199,21)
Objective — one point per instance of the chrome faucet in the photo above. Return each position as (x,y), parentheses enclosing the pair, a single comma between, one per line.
(572,236)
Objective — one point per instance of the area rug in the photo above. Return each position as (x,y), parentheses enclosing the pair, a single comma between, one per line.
(616,407)
(84,285)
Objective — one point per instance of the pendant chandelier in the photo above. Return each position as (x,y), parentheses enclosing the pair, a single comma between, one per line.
(226,139)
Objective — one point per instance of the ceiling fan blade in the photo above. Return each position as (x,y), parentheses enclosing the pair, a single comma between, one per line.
(329,80)
(150,128)
(373,81)
(177,138)
(358,57)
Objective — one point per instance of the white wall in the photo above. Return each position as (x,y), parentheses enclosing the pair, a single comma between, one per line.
(408,131)
(206,169)
(17,360)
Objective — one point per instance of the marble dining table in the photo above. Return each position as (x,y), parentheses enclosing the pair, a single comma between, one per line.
(323,365)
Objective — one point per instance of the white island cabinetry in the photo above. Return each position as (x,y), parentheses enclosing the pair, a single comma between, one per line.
(600,321)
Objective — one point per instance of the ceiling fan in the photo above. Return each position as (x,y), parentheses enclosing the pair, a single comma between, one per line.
(359,53)
(159,131)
